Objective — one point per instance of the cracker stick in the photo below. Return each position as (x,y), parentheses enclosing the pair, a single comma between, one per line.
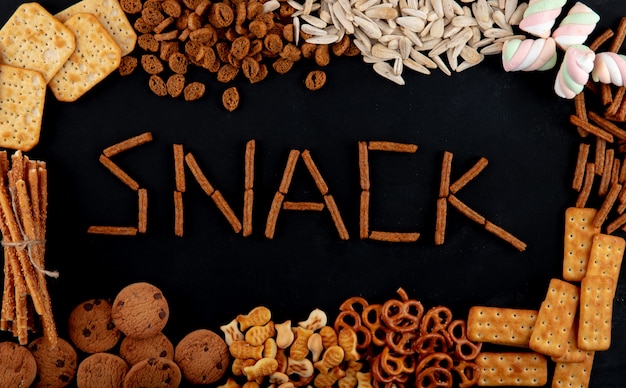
(315,173)
(179,217)
(600,152)
(606,94)
(289,169)
(594,130)
(179,167)
(446,167)
(615,171)
(616,223)
(248,202)
(469,175)
(607,125)
(364,168)
(142,214)
(620,34)
(197,173)
(113,230)
(336,216)
(577,241)
(391,146)
(506,236)
(583,196)
(601,39)
(118,172)
(249,164)
(581,111)
(7,315)
(555,318)
(596,311)
(607,205)
(466,210)
(605,179)
(303,206)
(272,216)
(226,210)
(394,236)
(364,214)
(613,107)
(579,172)
(440,224)
(127,144)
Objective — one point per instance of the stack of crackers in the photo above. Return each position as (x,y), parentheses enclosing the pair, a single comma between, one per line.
(69,52)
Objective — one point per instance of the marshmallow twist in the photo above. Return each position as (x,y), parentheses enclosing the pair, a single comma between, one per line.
(540,16)
(529,54)
(609,68)
(574,71)
(576,27)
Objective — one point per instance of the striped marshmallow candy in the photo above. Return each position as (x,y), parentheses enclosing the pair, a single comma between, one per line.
(576,26)
(574,71)
(540,16)
(609,68)
(529,54)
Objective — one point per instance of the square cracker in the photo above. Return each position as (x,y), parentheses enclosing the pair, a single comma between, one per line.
(34,39)
(96,56)
(555,319)
(502,326)
(573,374)
(605,258)
(579,231)
(111,16)
(526,369)
(572,353)
(22,97)
(596,311)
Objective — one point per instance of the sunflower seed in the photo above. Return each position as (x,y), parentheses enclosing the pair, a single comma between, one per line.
(314,21)
(312,30)
(381,51)
(380,12)
(270,6)
(386,70)
(413,65)
(413,23)
(323,39)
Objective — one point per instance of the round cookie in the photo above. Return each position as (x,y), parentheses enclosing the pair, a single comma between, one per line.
(101,370)
(203,356)
(153,372)
(18,367)
(56,367)
(140,310)
(133,350)
(91,328)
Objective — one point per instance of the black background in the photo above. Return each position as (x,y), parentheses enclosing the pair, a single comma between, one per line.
(212,274)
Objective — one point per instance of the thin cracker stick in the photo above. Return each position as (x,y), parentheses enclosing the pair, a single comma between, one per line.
(581,111)
(364,168)
(364,213)
(394,236)
(621,198)
(315,173)
(616,223)
(179,167)
(142,213)
(336,216)
(466,210)
(226,210)
(127,144)
(248,202)
(469,175)
(606,94)
(119,173)
(440,224)
(204,183)
(620,34)
(506,236)
(179,214)
(622,171)
(592,129)
(600,152)
(605,179)
(584,193)
(272,216)
(391,146)
(617,165)
(607,205)
(601,39)
(289,169)
(7,314)
(113,230)
(613,107)
(303,206)
(446,168)
(581,160)
(249,164)
(607,125)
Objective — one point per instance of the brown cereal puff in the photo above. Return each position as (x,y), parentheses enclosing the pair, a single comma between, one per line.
(153,372)
(140,310)
(56,367)
(286,10)
(227,73)
(273,44)
(175,85)
(338,48)
(148,43)
(141,26)
(308,50)
(91,328)
(206,35)
(261,74)
(134,350)
(282,65)
(221,15)
(352,50)
(230,98)
(322,55)
(151,64)
(194,91)
(167,49)
(240,47)
(18,367)
(257,28)
(256,46)
(178,63)
(315,80)
(191,4)
(128,64)
(249,67)
(157,85)
(203,356)
(172,8)
(102,370)
(223,50)
(291,52)
(131,7)
(254,9)
(152,16)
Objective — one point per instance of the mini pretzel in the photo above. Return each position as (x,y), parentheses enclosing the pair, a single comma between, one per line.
(431,343)
(351,319)
(396,365)
(355,303)
(464,348)
(438,359)
(436,320)
(371,319)
(404,315)
(380,375)
(433,377)
(469,373)
(401,342)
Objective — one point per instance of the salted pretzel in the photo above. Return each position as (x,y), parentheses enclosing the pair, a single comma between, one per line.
(434,377)
(402,315)
(430,343)
(352,320)
(371,317)
(464,348)
(396,365)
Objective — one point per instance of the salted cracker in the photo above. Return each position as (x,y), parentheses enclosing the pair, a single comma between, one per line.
(34,39)
(555,319)
(526,369)
(111,16)
(596,311)
(579,232)
(22,97)
(572,352)
(605,258)
(95,57)
(573,374)
(502,326)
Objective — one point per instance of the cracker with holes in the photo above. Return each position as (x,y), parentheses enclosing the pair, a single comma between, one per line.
(502,326)
(596,310)
(573,374)
(526,369)
(572,352)
(555,319)
(34,39)
(22,97)
(111,16)
(579,232)
(605,258)
(96,56)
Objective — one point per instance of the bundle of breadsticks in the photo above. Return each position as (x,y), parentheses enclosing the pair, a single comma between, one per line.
(23,209)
